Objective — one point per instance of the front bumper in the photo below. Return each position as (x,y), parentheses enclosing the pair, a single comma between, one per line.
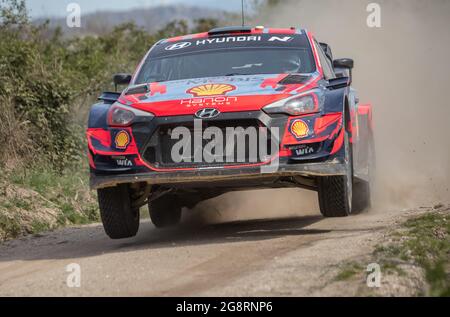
(111,166)
(236,176)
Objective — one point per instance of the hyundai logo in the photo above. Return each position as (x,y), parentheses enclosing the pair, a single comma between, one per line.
(178,46)
(207,113)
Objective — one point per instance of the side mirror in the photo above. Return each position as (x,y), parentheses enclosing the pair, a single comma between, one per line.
(121,79)
(342,72)
(344,63)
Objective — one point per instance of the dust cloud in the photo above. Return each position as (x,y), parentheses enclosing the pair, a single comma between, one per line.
(403,69)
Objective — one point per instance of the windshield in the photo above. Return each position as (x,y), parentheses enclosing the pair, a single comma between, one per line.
(226,62)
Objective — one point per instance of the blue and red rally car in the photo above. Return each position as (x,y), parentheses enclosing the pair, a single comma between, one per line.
(234,108)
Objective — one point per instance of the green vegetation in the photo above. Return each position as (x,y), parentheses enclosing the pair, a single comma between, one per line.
(10,226)
(35,200)
(424,241)
(349,270)
(47,84)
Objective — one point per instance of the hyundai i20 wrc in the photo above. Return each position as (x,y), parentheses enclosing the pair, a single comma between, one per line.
(235,108)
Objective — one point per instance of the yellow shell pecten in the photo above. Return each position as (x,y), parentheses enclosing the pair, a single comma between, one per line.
(211,90)
(122,139)
(300,129)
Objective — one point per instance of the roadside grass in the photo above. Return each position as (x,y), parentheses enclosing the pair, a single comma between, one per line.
(39,199)
(348,271)
(10,226)
(422,242)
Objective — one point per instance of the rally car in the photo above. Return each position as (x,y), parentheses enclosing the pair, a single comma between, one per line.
(235,108)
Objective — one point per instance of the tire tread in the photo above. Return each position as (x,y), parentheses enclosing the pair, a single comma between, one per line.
(119,220)
(332,196)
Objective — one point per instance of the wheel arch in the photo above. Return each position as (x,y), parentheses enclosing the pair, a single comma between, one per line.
(98,115)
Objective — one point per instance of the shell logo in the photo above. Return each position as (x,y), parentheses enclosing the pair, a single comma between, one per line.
(299,129)
(122,140)
(211,90)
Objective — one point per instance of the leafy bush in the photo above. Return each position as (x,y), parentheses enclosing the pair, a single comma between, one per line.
(47,83)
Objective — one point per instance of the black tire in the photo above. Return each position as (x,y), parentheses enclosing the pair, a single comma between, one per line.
(119,219)
(165,211)
(336,192)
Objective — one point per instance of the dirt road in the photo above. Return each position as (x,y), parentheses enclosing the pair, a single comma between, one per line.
(286,257)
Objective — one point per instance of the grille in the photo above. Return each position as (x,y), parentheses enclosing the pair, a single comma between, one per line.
(238,143)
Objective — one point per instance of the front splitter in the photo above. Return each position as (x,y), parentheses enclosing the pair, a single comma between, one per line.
(206,176)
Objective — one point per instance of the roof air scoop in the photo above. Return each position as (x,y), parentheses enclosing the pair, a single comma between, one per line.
(230,30)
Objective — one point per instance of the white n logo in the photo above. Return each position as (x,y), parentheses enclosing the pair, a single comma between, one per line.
(281,39)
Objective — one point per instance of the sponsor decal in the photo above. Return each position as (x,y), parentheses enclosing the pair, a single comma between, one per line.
(231,39)
(204,81)
(281,39)
(122,140)
(211,90)
(306,150)
(208,101)
(122,161)
(299,129)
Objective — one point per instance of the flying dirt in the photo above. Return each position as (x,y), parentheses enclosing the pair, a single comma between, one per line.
(401,68)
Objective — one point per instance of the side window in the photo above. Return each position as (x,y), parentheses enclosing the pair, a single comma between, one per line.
(325,62)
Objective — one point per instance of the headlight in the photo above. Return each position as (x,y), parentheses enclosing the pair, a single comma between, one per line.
(120,117)
(123,116)
(296,105)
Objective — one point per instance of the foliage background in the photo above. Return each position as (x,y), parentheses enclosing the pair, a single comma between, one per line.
(47,84)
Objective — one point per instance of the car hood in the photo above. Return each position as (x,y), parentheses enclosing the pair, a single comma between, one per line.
(227,94)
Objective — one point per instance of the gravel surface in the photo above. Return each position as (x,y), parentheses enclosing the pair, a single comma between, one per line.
(297,256)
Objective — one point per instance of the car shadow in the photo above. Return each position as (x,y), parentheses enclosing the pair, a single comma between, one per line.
(87,241)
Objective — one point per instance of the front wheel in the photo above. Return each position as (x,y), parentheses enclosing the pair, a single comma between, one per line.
(336,192)
(120,219)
